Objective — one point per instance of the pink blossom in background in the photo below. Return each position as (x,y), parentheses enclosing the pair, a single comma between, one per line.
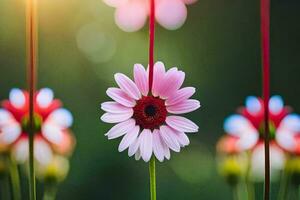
(148,120)
(131,15)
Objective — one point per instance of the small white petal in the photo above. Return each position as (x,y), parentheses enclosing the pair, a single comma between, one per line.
(276,104)
(286,139)
(5,117)
(138,155)
(291,123)
(17,98)
(133,147)
(61,117)
(53,133)
(42,152)
(253,105)
(10,133)
(182,139)
(158,146)
(44,97)
(20,151)
(120,129)
(129,138)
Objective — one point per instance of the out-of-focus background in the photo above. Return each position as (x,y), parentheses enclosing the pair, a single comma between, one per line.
(80,49)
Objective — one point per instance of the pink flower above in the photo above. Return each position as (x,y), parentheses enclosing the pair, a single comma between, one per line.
(148,120)
(52,134)
(131,15)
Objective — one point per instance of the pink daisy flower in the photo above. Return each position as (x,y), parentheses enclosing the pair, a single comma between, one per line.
(147,119)
(131,15)
(51,126)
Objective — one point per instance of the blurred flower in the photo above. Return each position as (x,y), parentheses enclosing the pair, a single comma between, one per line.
(246,132)
(143,117)
(55,171)
(51,123)
(131,15)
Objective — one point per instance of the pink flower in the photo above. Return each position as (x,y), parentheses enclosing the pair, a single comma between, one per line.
(131,15)
(147,120)
(51,126)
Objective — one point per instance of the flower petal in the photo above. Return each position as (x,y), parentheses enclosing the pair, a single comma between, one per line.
(158,146)
(167,135)
(134,147)
(61,117)
(20,151)
(42,151)
(145,140)
(128,86)
(120,96)
(158,77)
(17,98)
(180,95)
(181,124)
(286,140)
(131,15)
(253,105)
(237,124)
(10,133)
(114,107)
(53,133)
(44,97)
(5,117)
(171,83)
(184,107)
(120,129)
(171,20)
(291,123)
(276,104)
(116,118)
(167,152)
(182,139)
(129,138)
(141,79)
(138,155)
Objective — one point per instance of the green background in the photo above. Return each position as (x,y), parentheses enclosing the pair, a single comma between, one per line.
(80,49)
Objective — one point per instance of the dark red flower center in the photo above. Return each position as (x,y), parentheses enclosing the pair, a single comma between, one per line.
(150,112)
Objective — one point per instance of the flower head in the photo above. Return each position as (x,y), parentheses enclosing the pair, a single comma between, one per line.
(147,119)
(131,15)
(51,125)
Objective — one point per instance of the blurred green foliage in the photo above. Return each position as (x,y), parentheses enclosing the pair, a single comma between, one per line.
(80,48)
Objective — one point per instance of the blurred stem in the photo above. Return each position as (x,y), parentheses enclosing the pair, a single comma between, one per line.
(50,192)
(152,178)
(15,179)
(284,185)
(5,190)
(236,192)
(249,185)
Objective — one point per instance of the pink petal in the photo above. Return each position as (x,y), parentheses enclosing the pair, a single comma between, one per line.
(121,97)
(167,152)
(182,139)
(158,146)
(114,107)
(138,155)
(116,118)
(53,133)
(159,73)
(181,124)
(17,98)
(10,133)
(128,86)
(131,16)
(113,3)
(184,107)
(133,147)
(188,2)
(141,79)
(167,135)
(120,129)
(180,95)
(129,138)
(171,20)
(171,83)
(145,140)
(42,151)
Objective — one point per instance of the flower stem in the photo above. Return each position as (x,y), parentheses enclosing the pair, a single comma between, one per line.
(152,178)
(5,191)
(284,185)
(50,192)
(31,26)
(151,42)
(15,180)
(249,184)
(265,50)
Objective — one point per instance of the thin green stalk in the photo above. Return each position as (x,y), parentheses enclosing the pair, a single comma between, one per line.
(50,192)
(152,178)
(15,180)
(32,184)
(235,192)
(249,185)
(284,185)
(5,190)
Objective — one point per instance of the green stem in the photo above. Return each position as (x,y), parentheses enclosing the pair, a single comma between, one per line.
(249,185)
(5,190)
(284,185)
(152,178)
(235,191)
(50,192)
(15,180)
(32,185)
